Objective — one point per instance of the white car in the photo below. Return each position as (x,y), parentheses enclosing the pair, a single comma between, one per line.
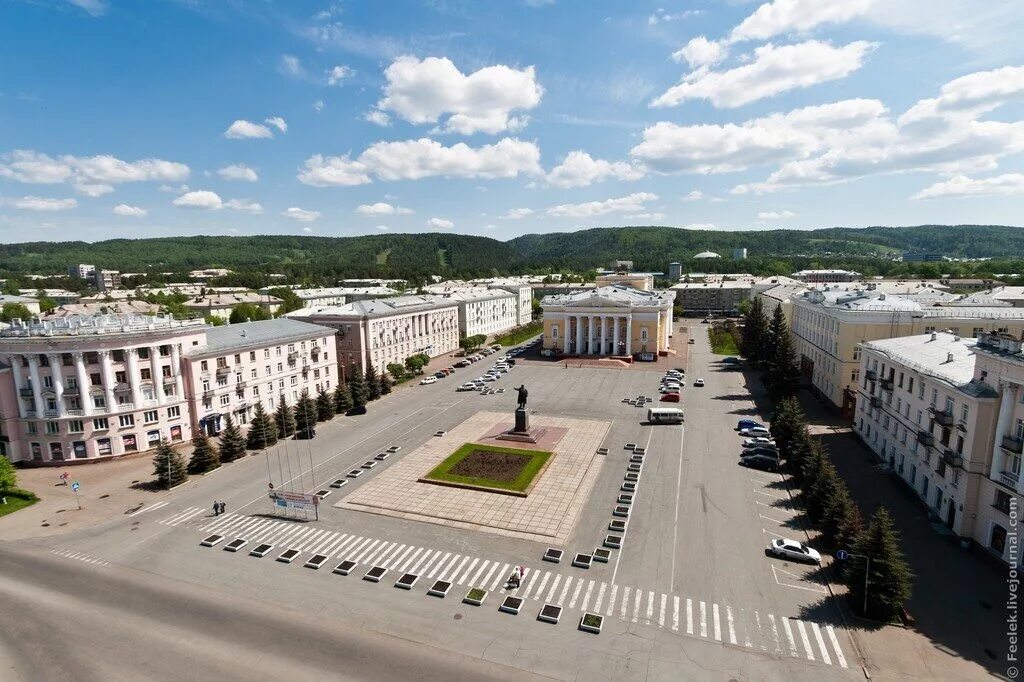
(794,551)
(755,431)
(488,377)
(669,388)
(699,383)
(759,442)
(428,380)
(467,387)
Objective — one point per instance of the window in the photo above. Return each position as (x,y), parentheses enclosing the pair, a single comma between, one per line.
(151,417)
(118,355)
(206,385)
(207,403)
(145,374)
(99,401)
(252,373)
(131,444)
(977,331)
(48,382)
(277,351)
(103,446)
(910,385)
(222,362)
(52,428)
(238,359)
(855,376)
(143,353)
(153,438)
(266,353)
(225,399)
(126,420)
(176,432)
(204,365)
(96,379)
(100,424)
(1002,501)
(267,370)
(173,412)
(935,397)
(121,377)
(75,426)
(252,356)
(965,412)
(900,382)
(294,381)
(280,367)
(949,405)
(255,391)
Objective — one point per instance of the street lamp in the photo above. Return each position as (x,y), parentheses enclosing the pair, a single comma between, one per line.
(843,555)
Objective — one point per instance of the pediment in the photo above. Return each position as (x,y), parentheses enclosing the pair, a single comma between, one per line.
(597,302)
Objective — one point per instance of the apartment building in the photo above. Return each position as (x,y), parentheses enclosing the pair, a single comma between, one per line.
(58,296)
(32,304)
(389,330)
(644,281)
(241,365)
(828,324)
(821,276)
(523,293)
(221,304)
(720,298)
(482,311)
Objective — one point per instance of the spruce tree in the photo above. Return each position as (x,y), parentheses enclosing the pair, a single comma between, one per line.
(786,421)
(284,419)
(357,387)
(755,327)
(783,370)
(262,430)
(385,384)
(168,466)
(324,405)
(204,455)
(840,519)
(372,382)
(820,488)
(232,442)
(890,580)
(797,452)
(305,412)
(342,399)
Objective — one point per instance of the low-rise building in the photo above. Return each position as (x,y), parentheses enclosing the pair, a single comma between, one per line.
(32,304)
(240,365)
(719,298)
(206,274)
(644,281)
(106,280)
(81,271)
(969,285)
(315,298)
(58,296)
(820,276)
(610,321)
(370,293)
(118,307)
(523,293)
(675,271)
(482,312)
(387,331)
(221,305)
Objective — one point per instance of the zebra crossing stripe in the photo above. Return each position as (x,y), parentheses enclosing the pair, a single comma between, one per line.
(611,600)
(366,551)
(689,616)
(586,597)
(760,630)
(600,598)
(675,614)
(448,568)
(554,587)
(397,558)
(821,643)
(746,630)
(346,547)
(502,572)
(803,638)
(391,557)
(357,547)
(435,563)
(576,593)
(717,621)
(636,604)
(650,608)
(775,633)
(423,560)
(408,559)
(529,585)
(476,576)
(703,619)
(789,636)
(730,624)
(462,578)
(451,576)
(661,611)
(486,580)
(625,602)
(835,645)
(329,549)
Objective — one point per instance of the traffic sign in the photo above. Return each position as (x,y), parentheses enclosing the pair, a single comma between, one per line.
(75,486)
(842,555)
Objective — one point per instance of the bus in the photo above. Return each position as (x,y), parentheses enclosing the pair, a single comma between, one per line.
(664,415)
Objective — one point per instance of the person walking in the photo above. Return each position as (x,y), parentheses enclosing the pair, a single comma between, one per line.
(222,507)
(216,508)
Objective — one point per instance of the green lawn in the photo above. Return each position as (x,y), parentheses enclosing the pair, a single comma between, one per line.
(722,342)
(520,334)
(17,499)
(442,472)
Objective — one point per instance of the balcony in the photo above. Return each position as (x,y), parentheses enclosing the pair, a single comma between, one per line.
(125,407)
(122,387)
(1009,479)
(71,390)
(876,401)
(25,392)
(953,459)
(293,356)
(1013,444)
(30,413)
(241,384)
(76,413)
(925,438)
(942,417)
(168,381)
(871,374)
(886,384)
(51,414)
(223,371)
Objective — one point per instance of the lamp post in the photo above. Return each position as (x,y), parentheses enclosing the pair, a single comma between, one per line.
(843,555)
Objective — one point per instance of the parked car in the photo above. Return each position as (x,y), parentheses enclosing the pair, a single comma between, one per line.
(450,370)
(793,550)
(763,462)
(439,374)
(462,363)
(754,452)
(747,424)
(758,441)
(428,380)
(755,431)
(489,377)
(512,361)
(670,398)
(669,388)
(699,383)
(470,386)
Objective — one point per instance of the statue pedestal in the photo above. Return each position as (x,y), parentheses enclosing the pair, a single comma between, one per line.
(522,432)
(522,421)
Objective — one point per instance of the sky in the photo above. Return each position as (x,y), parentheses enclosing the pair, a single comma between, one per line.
(129,118)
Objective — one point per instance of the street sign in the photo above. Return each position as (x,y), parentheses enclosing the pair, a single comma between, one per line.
(842,555)
(75,486)
(286,500)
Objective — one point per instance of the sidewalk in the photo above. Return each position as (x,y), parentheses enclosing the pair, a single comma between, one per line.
(958,599)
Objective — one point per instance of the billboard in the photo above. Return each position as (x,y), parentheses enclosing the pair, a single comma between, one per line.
(286,500)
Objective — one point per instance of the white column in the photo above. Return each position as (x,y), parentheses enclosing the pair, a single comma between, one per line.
(37,385)
(58,383)
(566,331)
(616,335)
(134,377)
(107,369)
(84,396)
(154,371)
(579,334)
(19,381)
(590,334)
(1006,404)
(604,334)
(179,387)
(629,335)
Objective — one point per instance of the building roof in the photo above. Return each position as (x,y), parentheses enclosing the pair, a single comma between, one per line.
(103,308)
(229,300)
(779,279)
(939,355)
(723,284)
(626,296)
(23,300)
(81,325)
(805,273)
(707,254)
(384,307)
(784,292)
(248,335)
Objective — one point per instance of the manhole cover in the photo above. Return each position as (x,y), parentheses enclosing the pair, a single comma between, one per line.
(458,616)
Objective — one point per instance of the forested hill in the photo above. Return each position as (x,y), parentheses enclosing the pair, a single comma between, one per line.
(417,255)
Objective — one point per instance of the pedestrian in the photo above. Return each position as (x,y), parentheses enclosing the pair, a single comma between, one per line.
(216,508)
(222,505)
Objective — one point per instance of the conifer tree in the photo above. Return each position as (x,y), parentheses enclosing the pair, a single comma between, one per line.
(284,419)
(890,580)
(755,329)
(8,475)
(232,442)
(385,384)
(324,405)
(787,420)
(357,387)
(840,519)
(797,452)
(262,429)
(169,466)
(342,399)
(783,371)
(372,382)
(204,455)
(305,412)
(821,486)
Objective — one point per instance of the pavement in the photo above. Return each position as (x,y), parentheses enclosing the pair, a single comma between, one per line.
(691,591)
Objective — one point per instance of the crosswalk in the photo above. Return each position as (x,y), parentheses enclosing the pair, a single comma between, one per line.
(80,556)
(150,508)
(708,620)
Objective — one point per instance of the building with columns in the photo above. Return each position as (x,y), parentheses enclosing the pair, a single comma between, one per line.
(610,321)
(80,388)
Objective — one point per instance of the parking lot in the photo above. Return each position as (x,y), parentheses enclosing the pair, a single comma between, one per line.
(684,579)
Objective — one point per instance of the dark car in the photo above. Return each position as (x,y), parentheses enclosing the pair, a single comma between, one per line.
(440,375)
(307,433)
(511,361)
(759,451)
(748,424)
(763,462)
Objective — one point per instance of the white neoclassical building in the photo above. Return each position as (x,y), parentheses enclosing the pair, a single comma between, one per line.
(613,320)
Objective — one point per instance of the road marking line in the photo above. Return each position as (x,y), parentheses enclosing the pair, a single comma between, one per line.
(529,586)
(439,565)
(390,558)
(730,624)
(273,530)
(377,557)
(406,561)
(292,536)
(775,633)
(759,492)
(636,605)
(476,576)
(154,507)
(501,575)
(611,600)
(250,528)
(650,608)
(804,639)
(448,567)
(308,540)
(324,541)
(717,621)
(175,515)
(622,543)
(540,588)
(768,518)
(689,616)
(346,547)
(357,548)
(789,636)
(675,613)
(835,645)
(366,552)
(675,521)
(462,578)
(554,586)
(661,612)
(329,550)
(760,630)
(565,589)
(222,521)
(821,643)
(456,570)
(487,578)
(625,602)
(423,562)
(429,564)
(188,517)
(576,594)
(703,619)
(586,597)
(600,599)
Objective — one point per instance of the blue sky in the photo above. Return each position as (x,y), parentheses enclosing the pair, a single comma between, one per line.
(124,118)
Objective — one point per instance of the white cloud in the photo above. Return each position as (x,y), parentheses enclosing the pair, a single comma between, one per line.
(96,8)
(318,106)
(244,206)
(775,215)
(661,16)
(247,130)
(238,171)
(308,230)
(645,216)
(517,214)
(700,52)
(43,204)
(291,66)
(1008,184)
(440,224)
(416,159)
(382,208)
(970,96)
(180,189)
(300,215)
(579,169)
(773,70)
(695,195)
(633,203)
(204,199)
(93,190)
(424,91)
(700,226)
(278,123)
(382,228)
(91,176)
(130,211)
(377,117)
(797,16)
(337,74)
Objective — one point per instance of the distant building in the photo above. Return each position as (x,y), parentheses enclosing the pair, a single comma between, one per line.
(739,254)
(315,298)
(818,276)
(58,296)
(704,255)
(81,271)
(221,305)
(636,280)
(722,297)
(106,280)
(921,256)
(970,284)
(31,303)
(618,265)
(207,274)
(122,307)
(482,311)
(675,272)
